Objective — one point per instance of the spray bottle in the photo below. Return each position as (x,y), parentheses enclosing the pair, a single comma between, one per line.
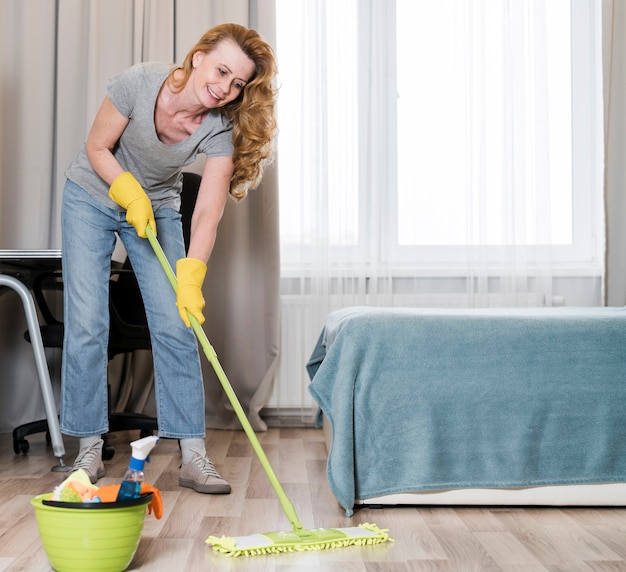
(131,485)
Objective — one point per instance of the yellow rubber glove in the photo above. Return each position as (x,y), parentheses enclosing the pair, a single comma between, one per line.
(190,273)
(128,193)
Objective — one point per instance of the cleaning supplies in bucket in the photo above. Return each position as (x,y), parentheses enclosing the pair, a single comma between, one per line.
(131,484)
(77,492)
(76,488)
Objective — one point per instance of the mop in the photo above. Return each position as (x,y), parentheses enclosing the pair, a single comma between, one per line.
(298,539)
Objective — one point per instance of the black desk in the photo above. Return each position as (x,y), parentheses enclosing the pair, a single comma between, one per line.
(26,264)
(18,269)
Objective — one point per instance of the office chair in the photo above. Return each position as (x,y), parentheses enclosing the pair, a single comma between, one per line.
(128,329)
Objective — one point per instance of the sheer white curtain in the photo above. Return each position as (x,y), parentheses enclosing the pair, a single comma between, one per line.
(455,155)
(614,42)
(428,156)
(56,58)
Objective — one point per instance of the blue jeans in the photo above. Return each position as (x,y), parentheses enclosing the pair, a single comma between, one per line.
(89,234)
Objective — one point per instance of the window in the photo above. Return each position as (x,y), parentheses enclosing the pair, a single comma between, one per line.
(413,131)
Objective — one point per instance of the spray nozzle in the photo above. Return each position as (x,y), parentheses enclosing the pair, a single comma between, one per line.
(141,451)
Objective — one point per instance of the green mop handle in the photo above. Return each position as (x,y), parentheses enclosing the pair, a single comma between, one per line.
(210,353)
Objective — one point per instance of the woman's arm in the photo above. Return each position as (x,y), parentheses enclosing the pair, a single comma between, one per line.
(209,208)
(106,129)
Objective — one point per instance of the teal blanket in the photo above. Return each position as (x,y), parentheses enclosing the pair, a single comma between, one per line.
(422,399)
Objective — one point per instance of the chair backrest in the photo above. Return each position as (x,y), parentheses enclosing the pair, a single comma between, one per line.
(128,322)
(52,326)
(191,185)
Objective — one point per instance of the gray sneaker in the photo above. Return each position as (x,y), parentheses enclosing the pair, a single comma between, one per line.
(200,475)
(90,460)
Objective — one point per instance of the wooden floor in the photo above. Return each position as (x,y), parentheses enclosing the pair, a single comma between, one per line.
(426,538)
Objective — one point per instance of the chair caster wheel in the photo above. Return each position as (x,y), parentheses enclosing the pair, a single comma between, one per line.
(107,452)
(20,446)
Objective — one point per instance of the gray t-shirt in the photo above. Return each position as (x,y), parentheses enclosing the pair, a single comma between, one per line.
(156,165)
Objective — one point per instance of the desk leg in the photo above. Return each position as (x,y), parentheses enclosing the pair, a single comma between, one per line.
(42,367)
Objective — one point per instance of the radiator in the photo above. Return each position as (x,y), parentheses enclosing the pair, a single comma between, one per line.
(301,322)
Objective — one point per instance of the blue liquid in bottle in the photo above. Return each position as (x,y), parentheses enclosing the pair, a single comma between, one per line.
(131,484)
(129,490)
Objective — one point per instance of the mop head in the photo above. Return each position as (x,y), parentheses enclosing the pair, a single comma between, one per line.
(299,541)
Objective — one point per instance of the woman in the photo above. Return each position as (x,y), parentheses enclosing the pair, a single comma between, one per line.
(154,120)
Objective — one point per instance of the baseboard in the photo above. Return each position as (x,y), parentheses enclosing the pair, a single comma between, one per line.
(288,417)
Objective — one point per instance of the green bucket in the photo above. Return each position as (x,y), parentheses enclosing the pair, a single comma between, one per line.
(90,536)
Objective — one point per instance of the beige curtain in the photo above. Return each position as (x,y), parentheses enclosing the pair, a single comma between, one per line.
(614,56)
(55,60)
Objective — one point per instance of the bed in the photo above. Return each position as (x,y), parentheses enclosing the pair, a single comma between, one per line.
(473,406)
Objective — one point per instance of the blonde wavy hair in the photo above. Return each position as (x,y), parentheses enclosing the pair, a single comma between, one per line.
(253,113)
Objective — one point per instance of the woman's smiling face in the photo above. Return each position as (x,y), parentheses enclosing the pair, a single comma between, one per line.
(220,75)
